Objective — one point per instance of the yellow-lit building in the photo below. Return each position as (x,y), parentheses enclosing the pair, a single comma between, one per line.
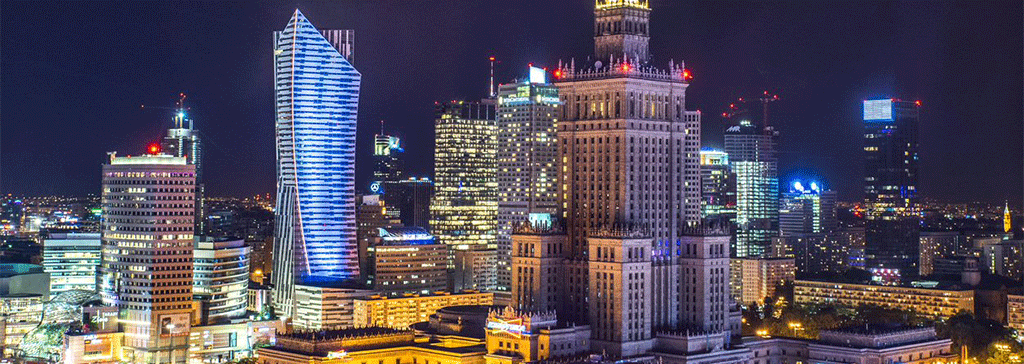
(929,302)
(93,348)
(1015,312)
(400,312)
(464,210)
(371,346)
(516,337)
(229,342)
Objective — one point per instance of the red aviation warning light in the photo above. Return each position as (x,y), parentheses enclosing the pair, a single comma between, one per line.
(625,67)
(687,75)
(491,59)
(154,148)
(918,102)
(558,73)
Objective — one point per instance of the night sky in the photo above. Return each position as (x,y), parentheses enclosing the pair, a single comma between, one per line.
(75,74)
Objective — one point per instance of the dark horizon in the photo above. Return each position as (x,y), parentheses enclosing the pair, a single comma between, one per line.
(74,88)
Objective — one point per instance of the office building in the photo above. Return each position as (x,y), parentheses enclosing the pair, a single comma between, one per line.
(474,267)
(931,302)
(761,276)
(815,253)
(464,210)
(23,290)
(183,141)
(315,236)
(12,215)
(326,308)
(408,200)
(754,161)
(527,175)
(221,279)
(890,188)
(1005,258)
(407,260)
(146,268)
(371,216)
(629,152)
(718,186)
(1007,218)
(807,209)
(72,259)
(939,245)
(401,312)
(387,158)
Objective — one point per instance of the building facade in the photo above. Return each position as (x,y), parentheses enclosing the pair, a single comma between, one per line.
(72,259)
(23,290)
(221,279)
(148,206)
(928,302)
(464,210)
(407,260)
(183,141)
(754,161)
(939,245)
(538,272)
(718,186)
(629,152)
(401,312)
(315,233)
(527,175)
(762,275)
(807,210)
(890,187)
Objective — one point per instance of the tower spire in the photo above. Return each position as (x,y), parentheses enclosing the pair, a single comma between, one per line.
(491,92)
(1007,218)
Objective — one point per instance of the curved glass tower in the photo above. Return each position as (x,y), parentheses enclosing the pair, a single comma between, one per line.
(317,97)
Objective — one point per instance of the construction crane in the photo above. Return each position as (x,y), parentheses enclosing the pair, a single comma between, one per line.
(179,106)
(765,98)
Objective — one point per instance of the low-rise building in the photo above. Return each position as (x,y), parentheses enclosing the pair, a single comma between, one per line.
(229,342)
(72,259)
(514,337)
(23,290)
(326,308)
(400,312)
(858,345)
(93,348)
(934,302)
(372,345)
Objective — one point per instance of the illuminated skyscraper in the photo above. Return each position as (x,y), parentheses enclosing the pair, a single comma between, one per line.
(183,141)
(317,99)
(146,266)
(892,224)
(629,152)
(807,209)
(1007,218)
(527,159)
(718,186)
(387,158)
(464,210)
(753,160)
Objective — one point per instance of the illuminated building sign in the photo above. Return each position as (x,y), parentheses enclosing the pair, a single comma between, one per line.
(514,327)
(878,110)
(538,75)
(377,188)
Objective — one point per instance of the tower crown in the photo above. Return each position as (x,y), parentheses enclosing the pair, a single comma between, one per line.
(621,29)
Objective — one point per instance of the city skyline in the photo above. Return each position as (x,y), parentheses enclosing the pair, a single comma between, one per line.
(896,53)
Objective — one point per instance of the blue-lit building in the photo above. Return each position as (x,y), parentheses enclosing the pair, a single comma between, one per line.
(317,92)
(407,260)
(892,226)
(807,209)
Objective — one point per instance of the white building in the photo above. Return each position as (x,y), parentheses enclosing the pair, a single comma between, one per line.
(527,119)
(146,270)
(72,259)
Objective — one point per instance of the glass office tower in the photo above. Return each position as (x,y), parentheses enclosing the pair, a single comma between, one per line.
(317,98)
(892,227)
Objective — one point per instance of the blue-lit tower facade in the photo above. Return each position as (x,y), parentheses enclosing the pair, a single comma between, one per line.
(892,226)
(754,162)
(317,98)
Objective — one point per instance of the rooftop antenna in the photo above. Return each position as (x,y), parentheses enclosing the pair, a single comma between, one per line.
(179,108)
(381,126)
(491,89)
